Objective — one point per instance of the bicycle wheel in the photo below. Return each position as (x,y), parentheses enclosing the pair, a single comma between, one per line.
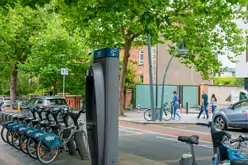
(3,134)
(42,151)
(15,140)
(167,115)
(31,148)
(148,115)
(23,144)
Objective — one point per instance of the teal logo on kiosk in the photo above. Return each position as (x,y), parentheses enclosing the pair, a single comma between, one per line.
(107,52)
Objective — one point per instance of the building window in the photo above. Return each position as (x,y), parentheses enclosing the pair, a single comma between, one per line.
(141,57)
(141,78)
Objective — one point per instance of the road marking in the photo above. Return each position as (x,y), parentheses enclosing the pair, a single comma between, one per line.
(183,130)
(164,138)
(134,132)
(156,133)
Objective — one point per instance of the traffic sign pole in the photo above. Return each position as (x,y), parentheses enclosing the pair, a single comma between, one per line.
(63,85)
(64,73)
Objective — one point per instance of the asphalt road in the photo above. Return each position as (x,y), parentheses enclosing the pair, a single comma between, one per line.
(164,147)
(160,148)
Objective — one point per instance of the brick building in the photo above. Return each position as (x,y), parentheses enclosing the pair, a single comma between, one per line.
(178,74)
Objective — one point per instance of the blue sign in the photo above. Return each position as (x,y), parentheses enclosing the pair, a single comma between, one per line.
(107,52)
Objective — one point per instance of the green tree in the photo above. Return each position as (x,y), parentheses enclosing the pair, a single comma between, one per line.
(205,26)
(57,48)
(17,24)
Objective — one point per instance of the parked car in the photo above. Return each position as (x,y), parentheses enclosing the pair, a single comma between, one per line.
(23,102)
(236,116)
(52,102)
(5,102)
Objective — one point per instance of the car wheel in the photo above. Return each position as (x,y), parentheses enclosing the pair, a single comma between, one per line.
(220,122)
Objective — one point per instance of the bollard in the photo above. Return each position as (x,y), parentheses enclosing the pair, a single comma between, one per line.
(186,159)
(70,145)
(187,108)
(81,140)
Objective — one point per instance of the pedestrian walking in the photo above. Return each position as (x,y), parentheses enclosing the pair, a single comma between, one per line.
(175,105)
(213,101)
(204,106)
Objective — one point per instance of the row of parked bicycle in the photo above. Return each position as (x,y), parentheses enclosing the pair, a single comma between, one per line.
(227,151)
(42,135)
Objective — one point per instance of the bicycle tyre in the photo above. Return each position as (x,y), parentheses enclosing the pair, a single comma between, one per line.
(148,112)
(40,155)
(14,138)
(23,144)
(167,115)
(3,135)
(34,156)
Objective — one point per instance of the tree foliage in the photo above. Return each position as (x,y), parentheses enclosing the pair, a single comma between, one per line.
(229,81)
(38,42)
(206,27)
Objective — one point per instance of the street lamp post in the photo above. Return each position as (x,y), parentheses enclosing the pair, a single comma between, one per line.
(157,76)
(183,52)
(150,76)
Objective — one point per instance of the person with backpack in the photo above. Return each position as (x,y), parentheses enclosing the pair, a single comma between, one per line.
(175,102)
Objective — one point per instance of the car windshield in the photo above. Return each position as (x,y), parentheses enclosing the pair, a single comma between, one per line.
(55,102)
(6,99)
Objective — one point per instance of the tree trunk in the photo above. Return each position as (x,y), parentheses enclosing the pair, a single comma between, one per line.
(123,75)
(13,86)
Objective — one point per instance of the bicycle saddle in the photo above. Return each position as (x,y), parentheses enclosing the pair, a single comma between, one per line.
(239,162)
(189,139)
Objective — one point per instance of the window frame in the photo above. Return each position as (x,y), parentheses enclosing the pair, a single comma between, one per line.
(141,53)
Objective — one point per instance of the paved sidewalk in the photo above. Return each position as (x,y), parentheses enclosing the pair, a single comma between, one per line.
(134,117)
(10,156)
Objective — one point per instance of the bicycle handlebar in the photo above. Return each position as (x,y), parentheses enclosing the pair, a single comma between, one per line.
(239,139)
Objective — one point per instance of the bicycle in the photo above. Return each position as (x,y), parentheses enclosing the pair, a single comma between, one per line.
(166,113)
(50,142)
(45,126)
(222,152)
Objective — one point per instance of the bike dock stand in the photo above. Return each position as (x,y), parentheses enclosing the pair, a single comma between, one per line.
(80,143)
(186,159)
(70,145)
(1,118)
(6,117)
